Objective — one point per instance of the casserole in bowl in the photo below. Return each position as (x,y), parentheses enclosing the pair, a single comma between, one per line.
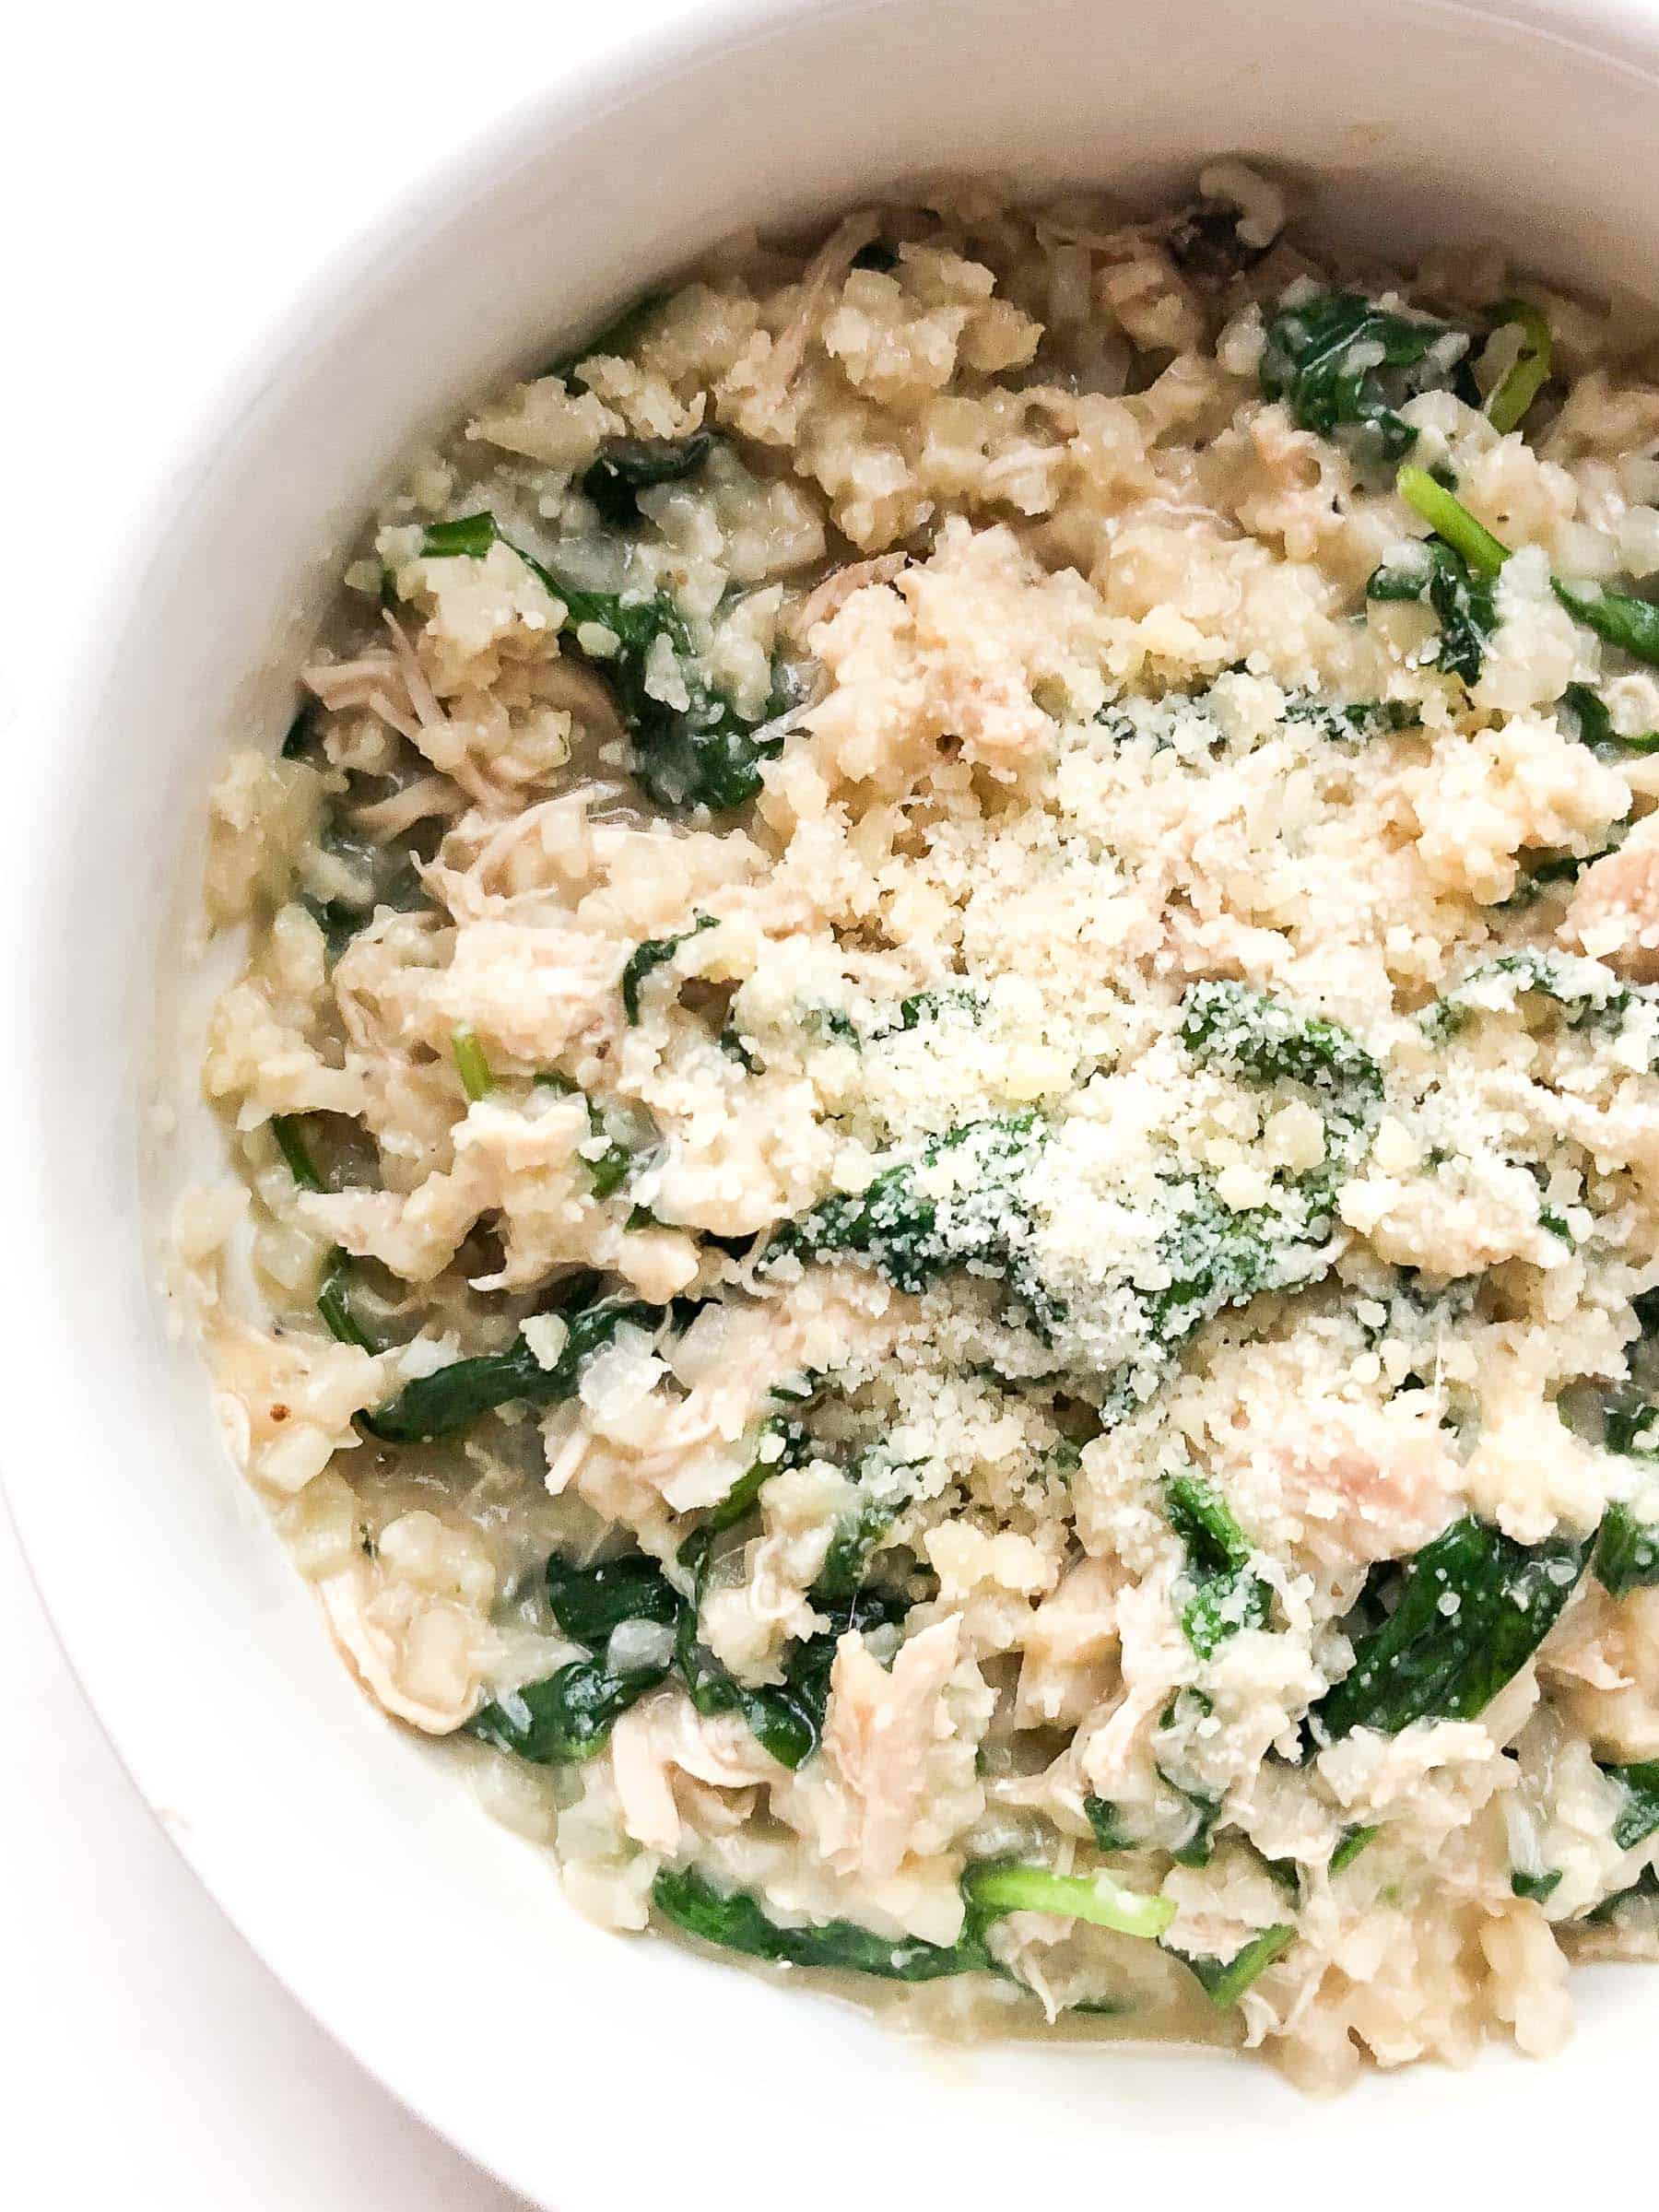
(1383,173)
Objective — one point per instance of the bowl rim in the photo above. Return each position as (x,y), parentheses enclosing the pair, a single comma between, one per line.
(636,59)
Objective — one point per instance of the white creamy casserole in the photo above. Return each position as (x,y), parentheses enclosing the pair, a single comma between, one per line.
(948,1133)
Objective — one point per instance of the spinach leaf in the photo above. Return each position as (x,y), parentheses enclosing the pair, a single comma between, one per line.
(296,1152)
(614,1165)
(334,1293)
(1223,1595)
(787,1718)
(1644,1887)
(1585,992)
(591,1603)
(1353,1843)
(1338,720)
(888,1222)
(994,1886)
(807,1666)
(1342,363)
(1638,1815)
(833,1023)
(1526,376)
(1405,582)
(566,1718)
(703,754)
(923,1006)
(735,1921)
(1583,714)
(731,1041)
(334,1305)
(1627,1547)
(338,922)
(1109,1832)
(1255,1037)
(1620,617)
(1283,1874)
(392,875)
(1199,1846)
(1464,601)
(1535,1886)
(1353,719)
(452,1397)
(1208,1257)
(783,1443)
(609,1169)
(1451,523)
(1539,868)
(1627,1552)
(779,1721)
(569,1714)
(1473,1607)
(1455,570)
(650,955)
(857,1537)
(1215,1257)
(627,466)
(1212,1258)
(900,1228)
(1224,1981)
(860,1533)
(1466,606)
(469,537)
(472,1062)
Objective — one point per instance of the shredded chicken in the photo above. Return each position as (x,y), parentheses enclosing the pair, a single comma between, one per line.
(828,598)
(412,1619)
(1614,912)
(827,268)
(880,1730)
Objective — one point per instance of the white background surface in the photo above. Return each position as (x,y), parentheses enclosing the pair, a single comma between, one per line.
(169,176)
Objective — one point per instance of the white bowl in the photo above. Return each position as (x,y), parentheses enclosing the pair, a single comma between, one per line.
(583,2068)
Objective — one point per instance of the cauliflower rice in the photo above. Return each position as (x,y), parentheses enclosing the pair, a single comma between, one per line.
(947,1126)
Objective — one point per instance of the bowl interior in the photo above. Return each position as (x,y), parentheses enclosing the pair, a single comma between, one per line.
(433,1943)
